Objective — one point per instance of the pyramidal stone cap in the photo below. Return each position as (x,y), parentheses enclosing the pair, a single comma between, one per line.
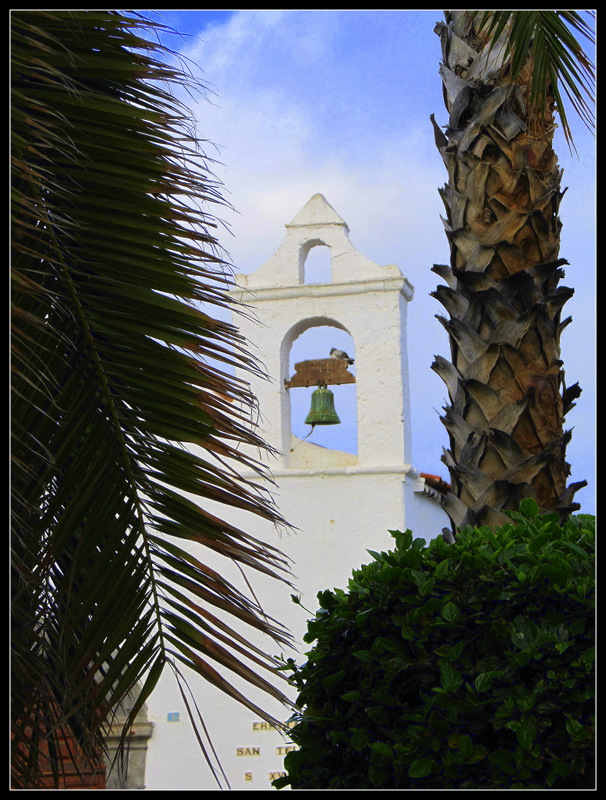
(317,211)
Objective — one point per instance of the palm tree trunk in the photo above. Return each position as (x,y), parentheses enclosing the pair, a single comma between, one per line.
(506,384)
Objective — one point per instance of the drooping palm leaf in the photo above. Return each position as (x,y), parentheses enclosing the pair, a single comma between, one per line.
(116,370)
(558,58)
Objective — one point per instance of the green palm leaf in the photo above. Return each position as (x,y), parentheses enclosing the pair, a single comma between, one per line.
(558,59)
(115,369)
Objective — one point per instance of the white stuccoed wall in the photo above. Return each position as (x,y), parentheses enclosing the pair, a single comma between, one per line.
(341,504)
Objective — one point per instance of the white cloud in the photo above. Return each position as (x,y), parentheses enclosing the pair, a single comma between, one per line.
(338,102)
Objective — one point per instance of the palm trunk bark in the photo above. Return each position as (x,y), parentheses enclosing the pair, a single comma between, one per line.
(505,380)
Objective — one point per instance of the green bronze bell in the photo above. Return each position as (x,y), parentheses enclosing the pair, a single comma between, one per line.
(322,411)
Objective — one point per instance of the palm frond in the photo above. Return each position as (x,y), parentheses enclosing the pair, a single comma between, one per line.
(558,58)
(117,372)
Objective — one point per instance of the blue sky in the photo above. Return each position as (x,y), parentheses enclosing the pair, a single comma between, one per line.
(338,102)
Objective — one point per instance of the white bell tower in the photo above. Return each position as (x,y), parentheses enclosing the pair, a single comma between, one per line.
(341,504)
(367,300)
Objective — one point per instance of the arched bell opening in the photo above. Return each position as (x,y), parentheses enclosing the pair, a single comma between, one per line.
(315,264)
(310,341)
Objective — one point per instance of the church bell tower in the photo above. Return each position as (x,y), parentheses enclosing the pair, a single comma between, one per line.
(340,502)
(364,299)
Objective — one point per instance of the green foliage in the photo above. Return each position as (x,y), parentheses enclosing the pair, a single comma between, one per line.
(456,666)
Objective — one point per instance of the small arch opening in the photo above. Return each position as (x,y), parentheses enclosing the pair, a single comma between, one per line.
(317,266)
(316,342)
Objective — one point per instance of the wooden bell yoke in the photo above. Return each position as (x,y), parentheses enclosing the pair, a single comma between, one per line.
(320,371)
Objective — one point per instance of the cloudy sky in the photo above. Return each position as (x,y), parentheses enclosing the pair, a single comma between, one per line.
(338,102)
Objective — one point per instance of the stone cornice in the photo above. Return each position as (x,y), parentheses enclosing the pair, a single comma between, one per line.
(260,293)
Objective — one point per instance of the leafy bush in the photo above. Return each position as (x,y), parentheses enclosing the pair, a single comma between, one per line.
(467,665)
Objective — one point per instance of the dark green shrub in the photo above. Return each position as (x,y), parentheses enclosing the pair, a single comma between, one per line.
(456,666)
